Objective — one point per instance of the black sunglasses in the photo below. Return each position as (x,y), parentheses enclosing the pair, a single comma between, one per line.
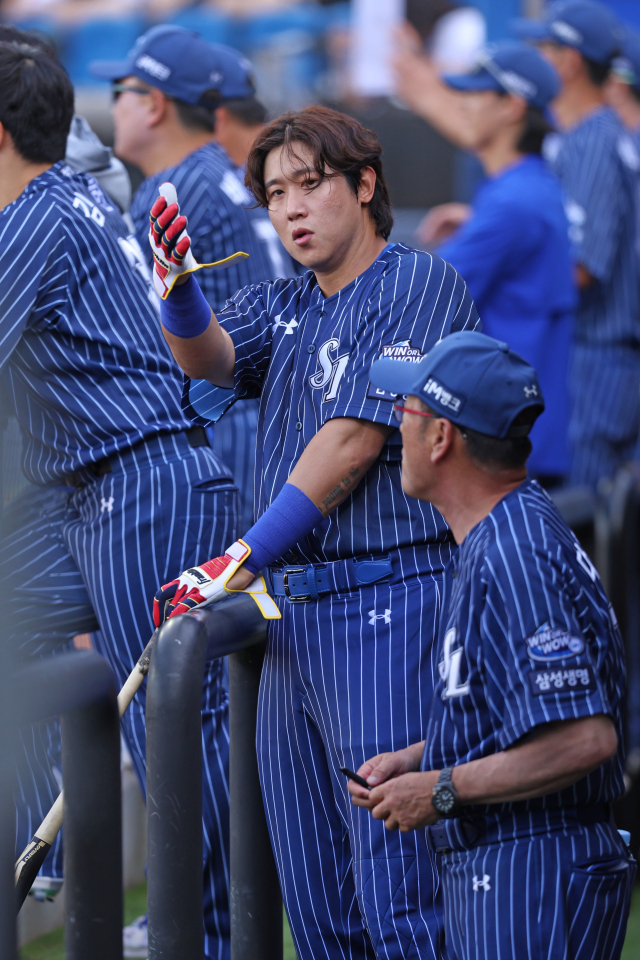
(119,88)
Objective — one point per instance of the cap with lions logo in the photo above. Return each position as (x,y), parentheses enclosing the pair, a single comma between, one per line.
(472,380)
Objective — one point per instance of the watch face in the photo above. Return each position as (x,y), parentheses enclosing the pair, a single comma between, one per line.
(443,798)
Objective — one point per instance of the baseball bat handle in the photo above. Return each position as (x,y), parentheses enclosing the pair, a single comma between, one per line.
(33,856)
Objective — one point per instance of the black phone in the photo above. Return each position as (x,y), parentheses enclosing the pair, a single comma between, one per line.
(354,776)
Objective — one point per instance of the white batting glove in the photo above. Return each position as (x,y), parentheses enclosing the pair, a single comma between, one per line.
(208,584)
(171,244)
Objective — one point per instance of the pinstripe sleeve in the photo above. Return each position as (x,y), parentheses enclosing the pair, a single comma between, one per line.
(31,259)
(418,300)
(539,666)
(594,194)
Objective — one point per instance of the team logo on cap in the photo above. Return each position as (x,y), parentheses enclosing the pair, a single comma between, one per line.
(566,32)
(435,391)
(154,67)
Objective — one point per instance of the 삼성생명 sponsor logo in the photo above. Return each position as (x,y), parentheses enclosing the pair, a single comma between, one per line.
(549,643)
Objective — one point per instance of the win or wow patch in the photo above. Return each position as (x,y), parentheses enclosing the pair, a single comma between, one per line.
(549,643)
(565,680)
(402,352)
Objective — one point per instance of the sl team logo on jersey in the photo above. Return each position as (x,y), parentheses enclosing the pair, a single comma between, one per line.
(449,667)
(402,351)
(331,370)
(551,643)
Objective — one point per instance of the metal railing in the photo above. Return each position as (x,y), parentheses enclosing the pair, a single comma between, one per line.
(184,644)
(80,688)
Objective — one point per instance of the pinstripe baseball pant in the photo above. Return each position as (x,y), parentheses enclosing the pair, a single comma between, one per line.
(344,678)
(562,893)
(71,556)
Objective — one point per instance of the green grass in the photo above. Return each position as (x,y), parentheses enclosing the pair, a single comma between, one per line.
(51,947)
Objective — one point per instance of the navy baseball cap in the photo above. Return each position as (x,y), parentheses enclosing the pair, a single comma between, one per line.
(472,380)
(588,26)
(514,68)
(183,65)
(627,66)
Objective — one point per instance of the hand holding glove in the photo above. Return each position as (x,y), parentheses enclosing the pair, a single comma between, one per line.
(207,584)
(171,244)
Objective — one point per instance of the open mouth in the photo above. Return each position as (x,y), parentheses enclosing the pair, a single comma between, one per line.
(301,236)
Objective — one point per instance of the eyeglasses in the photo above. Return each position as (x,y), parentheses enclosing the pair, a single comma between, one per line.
(399,411)
(119,88)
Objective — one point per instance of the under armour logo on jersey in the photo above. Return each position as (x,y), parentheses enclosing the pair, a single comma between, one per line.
(449,667)
(482,884)
(531,391)
(106,504)
(289,325)
(373,616)
(331,371)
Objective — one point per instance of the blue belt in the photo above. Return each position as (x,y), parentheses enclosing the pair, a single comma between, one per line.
(304,583)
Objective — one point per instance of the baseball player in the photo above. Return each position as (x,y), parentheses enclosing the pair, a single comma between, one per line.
(167,97)
(355,565)
(523,754)
(125,488)
(598,165)
(512,246)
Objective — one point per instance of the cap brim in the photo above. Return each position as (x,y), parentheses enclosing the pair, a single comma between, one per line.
(110,69)
(531,29)
(471,81)
(394,376)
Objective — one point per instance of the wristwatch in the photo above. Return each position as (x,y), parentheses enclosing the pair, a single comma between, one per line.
(444,795)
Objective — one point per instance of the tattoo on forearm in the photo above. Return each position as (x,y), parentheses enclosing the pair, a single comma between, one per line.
(342,489)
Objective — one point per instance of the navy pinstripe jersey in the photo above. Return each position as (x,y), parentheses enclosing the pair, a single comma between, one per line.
(308,357)
(529,637)
(598,164)
(221,220)
(81,350)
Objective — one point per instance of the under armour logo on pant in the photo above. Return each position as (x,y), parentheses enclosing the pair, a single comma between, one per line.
(482,884)
(373,616)
(106,504)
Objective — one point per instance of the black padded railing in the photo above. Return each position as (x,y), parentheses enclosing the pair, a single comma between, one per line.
(236,628)
(80,688)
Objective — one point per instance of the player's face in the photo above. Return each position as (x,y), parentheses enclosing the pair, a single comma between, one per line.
(131,120)
(417,468)
(486,114)
(319,223)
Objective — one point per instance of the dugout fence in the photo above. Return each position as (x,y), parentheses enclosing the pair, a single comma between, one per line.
(234,627)
(80,688)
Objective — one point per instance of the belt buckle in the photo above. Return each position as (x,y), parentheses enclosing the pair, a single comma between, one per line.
(285,585)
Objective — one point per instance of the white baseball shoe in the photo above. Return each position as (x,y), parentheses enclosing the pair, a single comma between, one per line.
(135,939)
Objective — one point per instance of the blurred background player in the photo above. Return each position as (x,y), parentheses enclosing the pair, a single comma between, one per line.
(524,749)
(512,245)
(106,447)
(355,564)
(598,165)
(180,105)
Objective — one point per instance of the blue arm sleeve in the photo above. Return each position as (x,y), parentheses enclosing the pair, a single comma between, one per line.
(290,518)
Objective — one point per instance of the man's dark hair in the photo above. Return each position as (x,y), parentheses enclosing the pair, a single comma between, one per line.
(36,107)
(635,93)
(511,453)
(339,145)
(249,111)
(199,116)
(536,128)
(598,72)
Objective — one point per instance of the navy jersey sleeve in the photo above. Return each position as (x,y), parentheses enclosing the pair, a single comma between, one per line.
(32,268)
(539,664)
(418,300)
(594,193)
(486,247)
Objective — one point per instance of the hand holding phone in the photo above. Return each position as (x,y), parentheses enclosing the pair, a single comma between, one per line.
(355,777)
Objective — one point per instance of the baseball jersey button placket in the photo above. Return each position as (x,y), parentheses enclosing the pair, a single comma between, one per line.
(299,425)
(311,348)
